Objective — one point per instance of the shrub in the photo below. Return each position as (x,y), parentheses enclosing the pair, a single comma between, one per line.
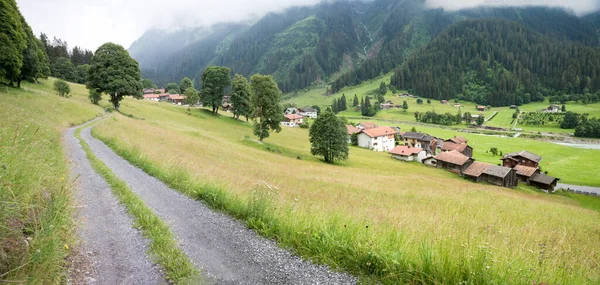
(62,88)
(95,96)
(304,125)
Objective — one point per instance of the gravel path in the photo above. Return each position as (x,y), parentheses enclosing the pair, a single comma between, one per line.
(224,248)
(580,188)
(114,249)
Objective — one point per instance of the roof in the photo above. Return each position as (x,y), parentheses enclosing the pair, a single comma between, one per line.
(497,171)
(454,146)
(480,107)
(458,139)
(453,157)
(427,138)
(291,109)
(293,116)
(476,169)
(413,135)
(543,179)
(352,129)
(405,150)
(525,170)
(147,96)
(379,131)
(525,154)
(368,125)
(308,110)
(176,97)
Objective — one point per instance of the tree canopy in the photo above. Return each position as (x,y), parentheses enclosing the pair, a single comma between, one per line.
(329,138)
(13,41)
(214,81)
(115,73)
(185,83)
(265,105)
(240,96)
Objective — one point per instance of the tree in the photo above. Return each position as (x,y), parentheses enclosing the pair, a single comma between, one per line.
(172,88)
(382,88)
(570,121)
(404,106)
(265,105)
(64,69)
(240,96)
(62,88)
(419,101)
(114,72)
(342,103)
(81,72)
(563,108)
(428,101)
(94,96)
(191,96)
(214,80)
(185,83)
(355,102)
(13,41)
(480,120)
(34,60)
(468,118)
(147,83)
(329,138)
(494,151)
(316,107)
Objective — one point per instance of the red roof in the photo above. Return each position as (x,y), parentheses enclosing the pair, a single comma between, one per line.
(525,170)
(453,157)
(293,117)
(148,96)
(454,146)
(368,125)
(352,129)
(476,169)
(380,131)
(404,150)
(176,97)
(480,107)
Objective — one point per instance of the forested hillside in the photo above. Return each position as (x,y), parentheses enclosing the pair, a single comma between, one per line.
(499,62)
(338,43)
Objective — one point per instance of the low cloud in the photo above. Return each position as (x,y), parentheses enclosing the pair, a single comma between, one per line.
(580,7)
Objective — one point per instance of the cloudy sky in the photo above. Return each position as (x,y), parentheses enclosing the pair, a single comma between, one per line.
(89,23)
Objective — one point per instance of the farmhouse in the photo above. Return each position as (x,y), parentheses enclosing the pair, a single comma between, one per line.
(151,97)
(176,99)
(445,102)
(407,153)
(553,109)
(291,111)
(497,175)
(386,106)
(308,112)
(481,108)
(543,181)
(148,91)
(420,140)
(377,139)
(453,161)
(351,130)
(513,106)
(163,96)
(292,120)
(366,125)
(521,158)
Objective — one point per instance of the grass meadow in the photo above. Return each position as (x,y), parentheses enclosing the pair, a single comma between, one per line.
(36,205)
(381,219)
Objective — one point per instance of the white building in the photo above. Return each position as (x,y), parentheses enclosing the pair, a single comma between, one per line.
(408,153)
(292,120)
(308,112)
(377,139)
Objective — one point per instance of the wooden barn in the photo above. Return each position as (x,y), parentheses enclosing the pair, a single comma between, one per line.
(453,161)
(543,181)
(496,175)
(521,158)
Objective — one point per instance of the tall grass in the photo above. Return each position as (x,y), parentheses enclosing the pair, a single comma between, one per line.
(163,247)
(36,229)
(373,250)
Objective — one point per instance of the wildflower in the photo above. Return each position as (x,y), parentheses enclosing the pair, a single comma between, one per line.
(66,246)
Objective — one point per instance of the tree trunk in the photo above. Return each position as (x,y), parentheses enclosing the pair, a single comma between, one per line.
(19,83)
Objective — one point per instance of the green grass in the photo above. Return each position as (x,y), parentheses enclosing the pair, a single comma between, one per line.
(36,204)
(380,219)
(163,248)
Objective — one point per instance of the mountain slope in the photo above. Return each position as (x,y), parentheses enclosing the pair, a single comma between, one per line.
(498,62)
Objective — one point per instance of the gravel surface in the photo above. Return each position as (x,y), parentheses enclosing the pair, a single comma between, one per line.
(113,249)
(581,188)
(224,248)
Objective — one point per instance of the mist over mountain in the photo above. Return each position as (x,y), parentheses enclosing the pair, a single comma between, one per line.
(341,43)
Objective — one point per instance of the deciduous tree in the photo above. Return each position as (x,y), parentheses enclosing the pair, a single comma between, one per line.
(114,72)
(62,88)
(214,81)
(240,96)
(265,105)
(329,138)
(13,41)
(191,96)
(64,69)
(172,88)
(185,83)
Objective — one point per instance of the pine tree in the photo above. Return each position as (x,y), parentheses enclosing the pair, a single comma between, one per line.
(355,102)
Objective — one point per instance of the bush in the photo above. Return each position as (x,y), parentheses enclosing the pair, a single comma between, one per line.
(62,88)
(95,96)
(419,101)
(305,125)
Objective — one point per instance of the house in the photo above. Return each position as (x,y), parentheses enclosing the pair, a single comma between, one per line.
(445,102)
(377,139)
(386,106)
(148,91)
(513,106)
(481,108)
(151,97)
(463,148)
(521,158)
(163,96)
(366,125)
(524,173)
(430,161)
(351,130)
(453,161)
(308,112)
(289,111)
(420,140)
(407,153)
(553,109)
(543,181)
(457,105)
(292,120)
(496,175)
(176,99)
(226,99)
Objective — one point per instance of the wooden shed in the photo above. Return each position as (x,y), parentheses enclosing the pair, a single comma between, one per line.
(543,181)
(453,161)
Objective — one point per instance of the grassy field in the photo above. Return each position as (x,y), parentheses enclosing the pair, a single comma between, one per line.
(36,228)
(376,217)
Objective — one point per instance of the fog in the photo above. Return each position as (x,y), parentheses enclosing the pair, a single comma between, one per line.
(89,23)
